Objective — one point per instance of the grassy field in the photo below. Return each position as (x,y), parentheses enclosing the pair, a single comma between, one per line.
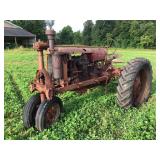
(92,115)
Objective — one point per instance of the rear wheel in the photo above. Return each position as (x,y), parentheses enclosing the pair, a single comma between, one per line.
(134,85)
(47,113)
(30,109)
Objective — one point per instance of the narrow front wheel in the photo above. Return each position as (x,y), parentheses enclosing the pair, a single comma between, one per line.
(29,111)
(47,113)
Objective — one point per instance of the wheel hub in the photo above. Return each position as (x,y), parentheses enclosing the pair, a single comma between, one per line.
(52,114)
(137,86)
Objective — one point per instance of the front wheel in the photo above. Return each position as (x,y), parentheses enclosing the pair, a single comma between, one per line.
(134,86)
(29,111)
(47,113)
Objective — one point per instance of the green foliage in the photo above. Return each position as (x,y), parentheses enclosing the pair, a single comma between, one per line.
(143,34)
(126,33)
(92,115)
(77,37)
(87,32)
(65,36)
(100,31)
(123,36)
(119,33)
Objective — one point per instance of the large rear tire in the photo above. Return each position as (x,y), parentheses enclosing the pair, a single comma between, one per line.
(135,83)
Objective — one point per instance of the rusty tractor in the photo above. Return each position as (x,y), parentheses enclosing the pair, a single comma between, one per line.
(71,68)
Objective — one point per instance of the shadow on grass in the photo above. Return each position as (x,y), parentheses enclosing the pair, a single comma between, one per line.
(18,92)
(78,101)
(111,86)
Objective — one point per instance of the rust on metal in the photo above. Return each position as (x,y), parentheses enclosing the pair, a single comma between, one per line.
(81,84)
(43,84)
(40,60)
(75,49)
(67,70)
(116,72)
(51,114)
(40,45)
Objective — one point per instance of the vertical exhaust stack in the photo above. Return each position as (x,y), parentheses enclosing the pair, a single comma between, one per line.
(54,60)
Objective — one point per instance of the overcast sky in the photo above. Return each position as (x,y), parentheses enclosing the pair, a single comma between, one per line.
(76,24)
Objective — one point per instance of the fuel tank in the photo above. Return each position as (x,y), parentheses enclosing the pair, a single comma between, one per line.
(94,57)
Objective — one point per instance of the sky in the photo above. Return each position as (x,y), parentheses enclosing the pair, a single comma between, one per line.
(76,24)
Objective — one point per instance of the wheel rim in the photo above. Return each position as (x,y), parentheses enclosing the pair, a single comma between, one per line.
(137,86)
(140,85)
(52,114)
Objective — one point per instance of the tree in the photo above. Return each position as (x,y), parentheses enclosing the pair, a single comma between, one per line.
(148,38)
(100,31)
(77,37)
(66,35)
(125,33)
(145,41)
(87,32)
(121,33)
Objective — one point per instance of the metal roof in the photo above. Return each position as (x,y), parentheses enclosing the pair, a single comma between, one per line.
(12,30)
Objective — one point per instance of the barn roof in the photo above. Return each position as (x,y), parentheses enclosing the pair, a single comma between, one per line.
(12,30)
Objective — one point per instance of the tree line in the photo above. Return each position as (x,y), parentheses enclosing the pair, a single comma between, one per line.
(114,33)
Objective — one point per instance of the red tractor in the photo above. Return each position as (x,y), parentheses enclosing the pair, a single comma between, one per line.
(71,68)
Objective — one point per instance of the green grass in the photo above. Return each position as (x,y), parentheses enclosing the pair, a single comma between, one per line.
(92,115)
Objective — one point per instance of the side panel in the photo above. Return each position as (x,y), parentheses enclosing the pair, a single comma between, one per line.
(57,66)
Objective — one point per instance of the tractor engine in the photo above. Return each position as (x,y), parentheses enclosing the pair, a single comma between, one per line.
(85,66)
